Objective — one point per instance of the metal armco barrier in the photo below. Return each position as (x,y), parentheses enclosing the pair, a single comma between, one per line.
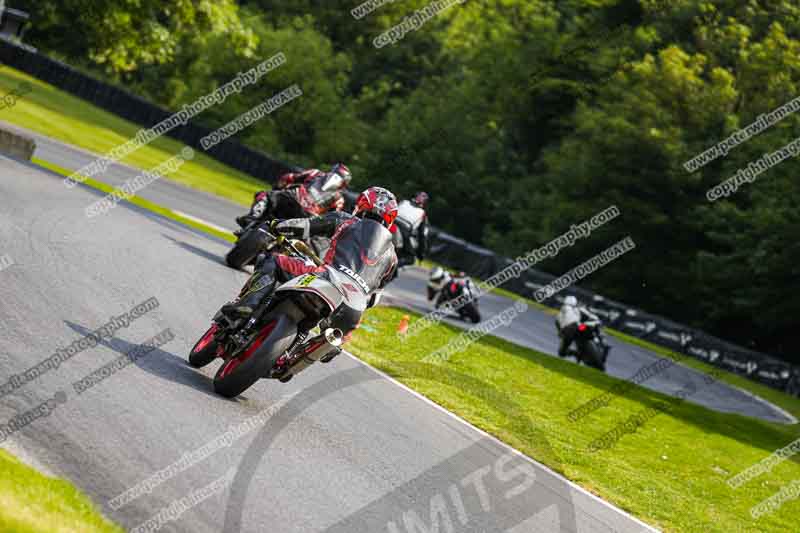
(481,263)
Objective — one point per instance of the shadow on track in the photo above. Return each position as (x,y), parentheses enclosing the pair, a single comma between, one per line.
(198,251)
(158,362)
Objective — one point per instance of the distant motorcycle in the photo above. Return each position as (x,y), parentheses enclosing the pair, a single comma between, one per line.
(276,342)
(411,233)
(454,289)
(405,254)
(592,347)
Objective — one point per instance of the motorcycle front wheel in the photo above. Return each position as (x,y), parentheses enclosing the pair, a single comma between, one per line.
(470,310)
(205,349)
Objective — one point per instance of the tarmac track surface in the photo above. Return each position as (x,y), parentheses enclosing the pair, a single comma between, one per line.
(341,448)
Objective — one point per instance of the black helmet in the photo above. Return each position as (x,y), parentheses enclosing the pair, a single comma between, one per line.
(420,199)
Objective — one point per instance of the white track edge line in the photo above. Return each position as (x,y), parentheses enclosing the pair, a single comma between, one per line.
(200,221)
(438,407)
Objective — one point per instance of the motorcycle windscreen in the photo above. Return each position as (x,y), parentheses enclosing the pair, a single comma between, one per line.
(258,208)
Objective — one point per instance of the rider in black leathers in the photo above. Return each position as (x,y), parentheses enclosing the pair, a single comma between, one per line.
(361,247)
(299,195)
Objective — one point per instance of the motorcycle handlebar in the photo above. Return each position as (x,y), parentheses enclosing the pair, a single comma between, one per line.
(305,250)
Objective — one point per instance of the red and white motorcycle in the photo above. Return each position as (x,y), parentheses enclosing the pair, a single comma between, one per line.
(277,341)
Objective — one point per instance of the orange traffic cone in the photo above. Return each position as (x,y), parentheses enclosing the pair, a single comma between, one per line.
(402,327)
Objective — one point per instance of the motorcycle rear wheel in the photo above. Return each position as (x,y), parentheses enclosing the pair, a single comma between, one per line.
(238,374)
(592,355)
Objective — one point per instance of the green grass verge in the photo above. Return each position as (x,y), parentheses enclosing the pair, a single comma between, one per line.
(33,503)
(59,115)
(670,473)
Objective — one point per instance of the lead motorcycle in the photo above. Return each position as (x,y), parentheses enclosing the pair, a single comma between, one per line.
(276,342)
(253,237)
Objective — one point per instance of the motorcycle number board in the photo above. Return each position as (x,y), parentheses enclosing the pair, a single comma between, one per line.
(306,281)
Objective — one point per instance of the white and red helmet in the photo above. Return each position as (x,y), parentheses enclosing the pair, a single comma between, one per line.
(378,204)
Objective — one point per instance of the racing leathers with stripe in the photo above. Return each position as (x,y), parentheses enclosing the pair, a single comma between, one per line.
(360,247)
(297,195)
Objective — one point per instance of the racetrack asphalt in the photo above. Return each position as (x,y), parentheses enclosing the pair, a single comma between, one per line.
(343,448)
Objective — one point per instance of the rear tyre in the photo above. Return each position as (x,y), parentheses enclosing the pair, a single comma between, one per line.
(472,313)
(205,349)
(238,374)
(593,356)
(245,249)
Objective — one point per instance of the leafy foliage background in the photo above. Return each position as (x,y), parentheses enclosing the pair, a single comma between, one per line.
(520,117)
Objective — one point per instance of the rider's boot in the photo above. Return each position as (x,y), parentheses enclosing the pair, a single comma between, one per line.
(258,287)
